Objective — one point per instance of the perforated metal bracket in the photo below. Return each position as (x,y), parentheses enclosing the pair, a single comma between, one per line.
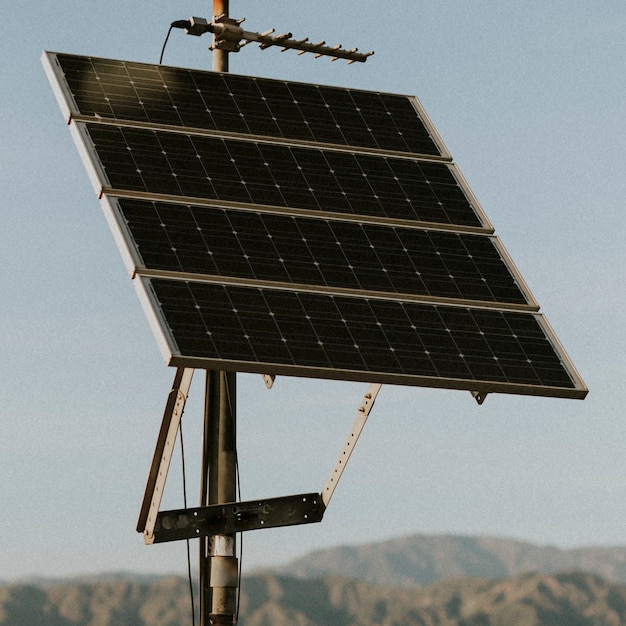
(163,452)
(364,410)
(235,517)
(225,519)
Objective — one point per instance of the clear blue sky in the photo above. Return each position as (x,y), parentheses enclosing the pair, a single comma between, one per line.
(530,99)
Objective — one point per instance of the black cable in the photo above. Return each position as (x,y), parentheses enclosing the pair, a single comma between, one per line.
(240,539)
(238,476)
(175,24)
(182,454)
(165,44)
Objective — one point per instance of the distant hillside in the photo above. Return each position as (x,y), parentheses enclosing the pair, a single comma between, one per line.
(478,581)
(527,600)
(426,559)
(572,599)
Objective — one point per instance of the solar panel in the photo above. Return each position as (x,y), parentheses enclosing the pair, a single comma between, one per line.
(285,228)
(354,338)
(246,105)
(346,254)
(184,165)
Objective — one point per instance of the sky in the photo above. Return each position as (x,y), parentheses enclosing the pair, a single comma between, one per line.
(530,99)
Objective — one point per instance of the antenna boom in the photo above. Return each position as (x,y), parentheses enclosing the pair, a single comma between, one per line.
(230,37)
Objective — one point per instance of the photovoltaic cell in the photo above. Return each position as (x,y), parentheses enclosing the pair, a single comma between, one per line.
(278,227)
(158,94)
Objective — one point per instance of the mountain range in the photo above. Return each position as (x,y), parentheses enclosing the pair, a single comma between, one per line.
(418,580)
(420,560)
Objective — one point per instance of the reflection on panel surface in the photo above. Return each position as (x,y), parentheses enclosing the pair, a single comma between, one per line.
(124,90)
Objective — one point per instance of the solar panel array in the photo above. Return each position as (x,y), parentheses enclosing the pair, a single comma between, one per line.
(280,227)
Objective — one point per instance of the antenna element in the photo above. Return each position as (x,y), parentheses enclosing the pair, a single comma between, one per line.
(231,37)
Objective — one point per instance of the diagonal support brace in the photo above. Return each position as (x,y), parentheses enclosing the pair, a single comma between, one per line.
(221,519)
(163,452)
(364,410)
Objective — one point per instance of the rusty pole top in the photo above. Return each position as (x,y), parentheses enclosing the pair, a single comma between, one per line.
(220,57)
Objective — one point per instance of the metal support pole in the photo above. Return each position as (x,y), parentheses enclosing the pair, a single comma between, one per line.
(220,57)
(219,575)
(219,572)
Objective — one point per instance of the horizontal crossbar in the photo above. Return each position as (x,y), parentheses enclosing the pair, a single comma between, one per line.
(234,517)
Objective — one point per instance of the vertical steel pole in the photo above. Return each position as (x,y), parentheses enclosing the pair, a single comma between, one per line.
(220,57)
(219,572)
(219,575)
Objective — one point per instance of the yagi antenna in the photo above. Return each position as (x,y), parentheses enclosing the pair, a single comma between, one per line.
(231,37)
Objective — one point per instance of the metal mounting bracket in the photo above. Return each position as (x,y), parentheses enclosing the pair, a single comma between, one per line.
(163,452)
(364,410)
(227,34)
(480,396)
(225,519)
(235,517)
